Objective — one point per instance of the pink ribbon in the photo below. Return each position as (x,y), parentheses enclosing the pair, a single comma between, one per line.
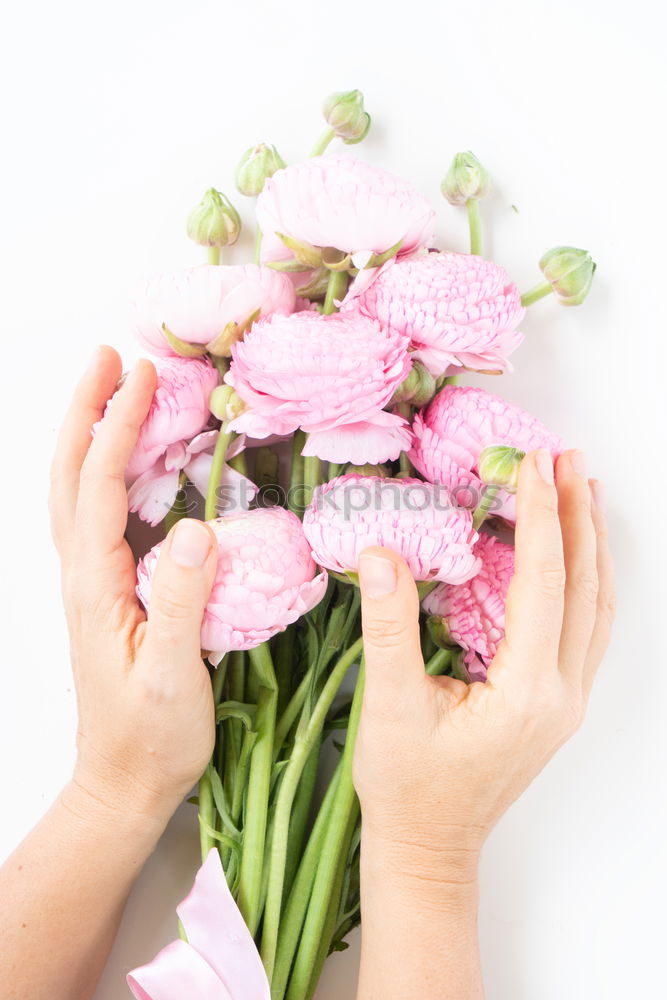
(219,961)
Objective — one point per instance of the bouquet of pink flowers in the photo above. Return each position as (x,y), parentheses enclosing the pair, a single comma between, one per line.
(309,399)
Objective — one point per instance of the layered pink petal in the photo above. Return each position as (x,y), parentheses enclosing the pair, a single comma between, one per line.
(413,518)
(461,421)
(265,580)
(197,304)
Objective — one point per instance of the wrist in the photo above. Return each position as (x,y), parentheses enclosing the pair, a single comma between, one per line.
(129,804)
(442,869)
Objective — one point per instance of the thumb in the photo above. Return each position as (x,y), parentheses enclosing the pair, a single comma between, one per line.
(390,625)
(181,587)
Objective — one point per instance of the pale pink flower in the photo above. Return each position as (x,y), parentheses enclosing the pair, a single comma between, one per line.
(460,422)
(198,304)
(413,518)
(178,412)
(219,960)
(459,310)
(266,579)
(474,612)
(329,375)
(154,492)
(346,203)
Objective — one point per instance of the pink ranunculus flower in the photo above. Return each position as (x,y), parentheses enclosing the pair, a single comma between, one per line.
(219,960)
(154,492)
(198,304)
(459,310)
(474,612)
(413,518)
(454,429)
(178,412)
(343,202)
(266,579)
(329,375)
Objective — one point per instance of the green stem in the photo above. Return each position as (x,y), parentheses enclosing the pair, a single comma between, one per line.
(482,509)
(475,224)
(312,476)
(239,463)
(214,255)
(297,904)
(283,657)
(219,674)
(404,463)
(323,141)
(259,786)
(207,814)
(439,662)
(334,470)
(257,255)
(333,854)
(292,710)
(336,289)
(536,292)
(178,509)
(295,496)
(300,815)
(303,745)
(221,446)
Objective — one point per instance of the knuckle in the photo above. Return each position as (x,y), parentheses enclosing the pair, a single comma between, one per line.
(388,634)
(586,586)
(550,580)
(170,605)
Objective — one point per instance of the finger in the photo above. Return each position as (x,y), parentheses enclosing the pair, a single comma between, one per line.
(534,610)
(87,406)
(606,599)
(390,626)
(101,516)
(581,575)
(180,590)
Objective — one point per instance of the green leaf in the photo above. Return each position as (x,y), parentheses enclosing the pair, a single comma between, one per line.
(237,710)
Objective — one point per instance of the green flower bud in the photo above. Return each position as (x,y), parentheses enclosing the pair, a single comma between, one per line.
(214,222)
(225,403)
(417,388)
(570,272)
(439,632)
(367,470)
(466,178)
(499,466)
(344,113)
(256,164)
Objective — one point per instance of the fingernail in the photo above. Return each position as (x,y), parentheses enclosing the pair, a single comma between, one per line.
(597,489)
(190,544)
(377,576)
(545,466)
(578,460)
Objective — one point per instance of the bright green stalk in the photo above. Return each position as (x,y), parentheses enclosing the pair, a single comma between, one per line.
(439,662)
(312,476)
(475,224)
(292,710)
(206,815)
(335,290)
(178,509)
(536,293)
(221,446)
(303,744)
(259,786)
(257,256)
(323,141)
(214,255)
(333,853)
(295,496)
(482,509)
(297,904)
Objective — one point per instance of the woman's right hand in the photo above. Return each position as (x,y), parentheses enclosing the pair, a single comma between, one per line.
(437,761)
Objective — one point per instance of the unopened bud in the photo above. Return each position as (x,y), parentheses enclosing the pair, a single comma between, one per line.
(344,113)
(214,222)
(439,632)
(465,179)
(499,466)
(570,272)
(367,470)
(417,388)
(256,165)
(225,403)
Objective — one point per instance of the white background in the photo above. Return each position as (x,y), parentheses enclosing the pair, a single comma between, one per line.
(116,118)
